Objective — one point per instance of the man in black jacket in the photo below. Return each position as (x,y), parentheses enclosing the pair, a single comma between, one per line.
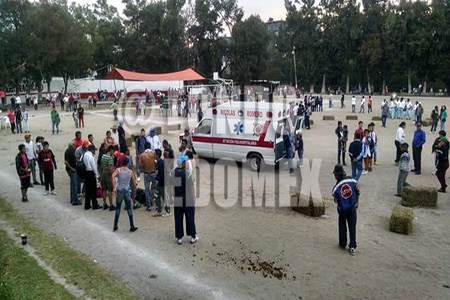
(356,153)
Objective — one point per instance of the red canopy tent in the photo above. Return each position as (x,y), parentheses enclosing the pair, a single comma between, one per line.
(185,75)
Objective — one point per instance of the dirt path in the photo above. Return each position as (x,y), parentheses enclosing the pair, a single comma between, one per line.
(255,252)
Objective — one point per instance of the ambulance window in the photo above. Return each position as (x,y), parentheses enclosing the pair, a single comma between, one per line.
(280,129)
(204,127)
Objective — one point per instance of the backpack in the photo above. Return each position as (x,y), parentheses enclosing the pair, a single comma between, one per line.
(81,168)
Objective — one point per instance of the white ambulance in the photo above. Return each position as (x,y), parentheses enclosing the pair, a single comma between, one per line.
(250,132)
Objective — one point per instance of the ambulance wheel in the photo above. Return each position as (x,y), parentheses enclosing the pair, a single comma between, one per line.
(255,162)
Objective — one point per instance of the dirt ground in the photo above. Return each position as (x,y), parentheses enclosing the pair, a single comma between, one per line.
(248,253)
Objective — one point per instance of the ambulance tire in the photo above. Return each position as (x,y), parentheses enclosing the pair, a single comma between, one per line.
(255,162)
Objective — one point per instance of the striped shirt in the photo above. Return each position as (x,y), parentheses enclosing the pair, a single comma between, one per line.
(106,164)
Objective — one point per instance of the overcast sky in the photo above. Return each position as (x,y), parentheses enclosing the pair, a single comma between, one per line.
(264,8)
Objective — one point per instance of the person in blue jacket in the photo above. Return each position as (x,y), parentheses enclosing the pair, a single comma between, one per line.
(346,195)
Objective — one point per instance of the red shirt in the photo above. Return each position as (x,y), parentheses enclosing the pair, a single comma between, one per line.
(77,142)
(47,159)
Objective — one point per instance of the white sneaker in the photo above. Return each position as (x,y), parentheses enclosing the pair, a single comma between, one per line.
(53,193)
(352,251)
(179,241)
(194,240)
(46,193)
(364,172)
(166,215)
(139,179)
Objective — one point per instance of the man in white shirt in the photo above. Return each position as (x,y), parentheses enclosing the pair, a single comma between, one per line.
(363,103)
(29,148)
(353,103)
(399,140)
(153,139)
(90,179)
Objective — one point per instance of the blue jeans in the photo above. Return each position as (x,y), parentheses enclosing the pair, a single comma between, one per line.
(149,178)
(55,125)
(357,170)
(408,114)
(383,120)
(121,196)
(73,187)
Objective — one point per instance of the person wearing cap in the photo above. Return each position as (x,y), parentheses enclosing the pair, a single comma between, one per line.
(403,167)
(442,161)
(184,201)
(23,170)
(90,179)
(419,140)
(147,164)
(399,139)
(29,147)
(71,163)
(153,140)
(346,196)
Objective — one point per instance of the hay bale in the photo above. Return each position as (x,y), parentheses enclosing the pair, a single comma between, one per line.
(376,118)
(426,122)
(306,205)
(351,117)
(174,127)
(401,220)
(328,118)
(419,196)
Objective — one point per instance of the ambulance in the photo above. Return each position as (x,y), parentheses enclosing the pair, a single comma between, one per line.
(249,132)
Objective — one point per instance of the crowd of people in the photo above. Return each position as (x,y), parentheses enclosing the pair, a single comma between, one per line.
(110,172)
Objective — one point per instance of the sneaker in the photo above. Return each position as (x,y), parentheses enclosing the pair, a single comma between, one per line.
(136,206)
(352,251)
(139,179)
(96,207)
(46,193)
(133,229)
(112,207)
(31,185)
(24,199)
(53,193)
(194,240)
(166,215)
(115,228)
(364,172)
(179,241)
(36,182)
(105,206)
(434,172)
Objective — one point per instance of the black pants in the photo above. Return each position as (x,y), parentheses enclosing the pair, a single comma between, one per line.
(417,157)
(398,154)
(49,181)
(347,218)
(341,153)
(90,182)
(189,214)
(440,174)
(13,127)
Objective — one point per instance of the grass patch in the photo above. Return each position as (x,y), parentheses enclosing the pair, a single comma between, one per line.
(75,267)
(22,278)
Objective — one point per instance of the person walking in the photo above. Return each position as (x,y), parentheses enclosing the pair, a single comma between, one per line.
(23,170)
(419,140)
(26,125)
(299,147)
(90,178)
(434,119)
(54,115)
(29,147)
(362,106)
(71,164)
(346,195)
(289,146)
(403,167)
(122,138)
(384,113)
(48,162)
(442,161)
(399,139)
(374,143)
(339,131)
(12,120)
(114,106)
(353,103)
(124,177)
(443,116)
(184,201)
(356,153)
(18,114)
(369,105)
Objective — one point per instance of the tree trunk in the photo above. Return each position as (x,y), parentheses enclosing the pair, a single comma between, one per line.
(409,81)
(66,82)
(425,84)
(369,86)
(360,88)
(311,88)
(347,85)
(383,87)
(323,90)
